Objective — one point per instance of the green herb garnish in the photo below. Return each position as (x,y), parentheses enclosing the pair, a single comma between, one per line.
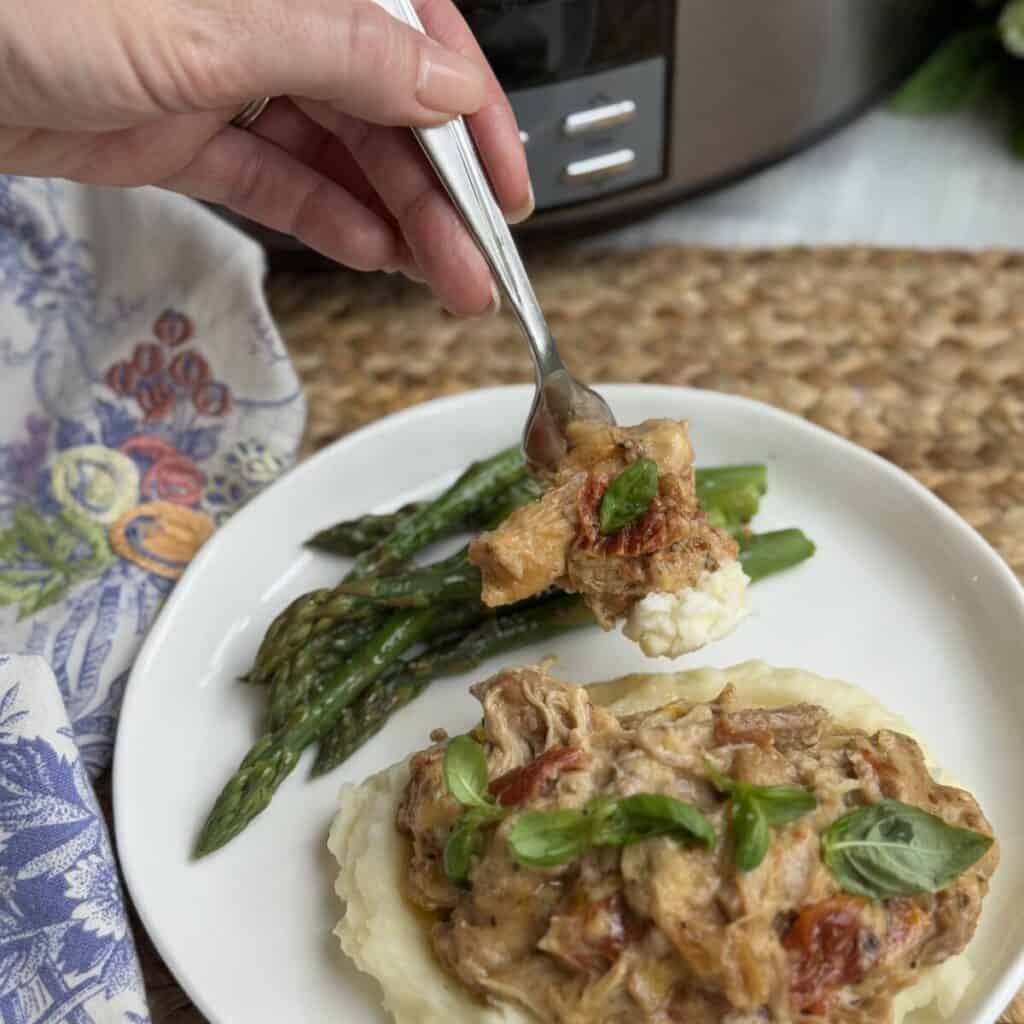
(465,777)
(465,842)
(540,839)
(750,832)
(756,808)
(465,772)
(629,495)
(893,849)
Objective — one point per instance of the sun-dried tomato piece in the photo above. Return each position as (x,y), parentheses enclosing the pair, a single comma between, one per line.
(521,783)
(666,521)
(830,944)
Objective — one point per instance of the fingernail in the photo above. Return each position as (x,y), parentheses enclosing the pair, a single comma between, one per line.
(412,272)
(495,301)
(524,211)
(491,308)
(448,82)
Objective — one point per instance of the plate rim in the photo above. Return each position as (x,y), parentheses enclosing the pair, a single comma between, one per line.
(991,1005)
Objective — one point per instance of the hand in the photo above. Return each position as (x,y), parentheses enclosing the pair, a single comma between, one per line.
(136,92)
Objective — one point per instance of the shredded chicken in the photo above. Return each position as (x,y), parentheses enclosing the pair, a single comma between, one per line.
(557,541)
(660,931)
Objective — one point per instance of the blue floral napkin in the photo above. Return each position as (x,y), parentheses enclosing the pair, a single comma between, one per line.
(145,395)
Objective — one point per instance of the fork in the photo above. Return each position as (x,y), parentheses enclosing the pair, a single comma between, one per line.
(559,398)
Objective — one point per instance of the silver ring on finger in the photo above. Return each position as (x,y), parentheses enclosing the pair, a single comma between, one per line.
(250,113)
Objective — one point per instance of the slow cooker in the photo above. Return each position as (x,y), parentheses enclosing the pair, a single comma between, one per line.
(626,104)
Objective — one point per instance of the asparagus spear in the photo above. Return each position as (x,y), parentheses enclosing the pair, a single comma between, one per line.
(276,753)
(432,520)
(303,677)
(363,719)
(451,580)
(307,617)
(322,610)
(406,680)
(295,678)
(494,512)
(710,478)
(354,536)
(762,554)
(731,506)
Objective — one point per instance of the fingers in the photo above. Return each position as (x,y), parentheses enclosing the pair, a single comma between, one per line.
(259,180)
(353,55)
(494,126)
(288,128)
(448,259)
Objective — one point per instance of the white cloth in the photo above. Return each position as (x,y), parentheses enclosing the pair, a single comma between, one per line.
(891,180)
(144,396)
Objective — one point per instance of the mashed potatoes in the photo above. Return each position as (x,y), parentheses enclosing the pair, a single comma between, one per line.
(387,937)
(667,625)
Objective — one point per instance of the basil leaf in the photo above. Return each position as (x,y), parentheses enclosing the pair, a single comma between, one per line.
(750,831)
(781,804)
(607,827)
(465,841)
(893,849)
(542,839)
(721,782)
(547,838)
(652,814)
(465,772)
(629,495)
(756,808)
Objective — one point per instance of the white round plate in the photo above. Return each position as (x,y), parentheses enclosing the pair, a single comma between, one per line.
(902,598)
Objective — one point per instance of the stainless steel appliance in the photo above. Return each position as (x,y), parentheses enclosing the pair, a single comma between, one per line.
(628,103)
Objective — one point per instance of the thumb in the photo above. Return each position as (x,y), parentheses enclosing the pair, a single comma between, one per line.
(357,57)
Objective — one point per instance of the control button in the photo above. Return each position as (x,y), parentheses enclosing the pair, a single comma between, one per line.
(597,119)
(602,166)
(524,137)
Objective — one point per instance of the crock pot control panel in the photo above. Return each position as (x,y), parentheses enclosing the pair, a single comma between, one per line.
(595,134)
(588,80)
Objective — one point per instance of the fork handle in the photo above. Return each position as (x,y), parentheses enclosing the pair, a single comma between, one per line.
(450,150)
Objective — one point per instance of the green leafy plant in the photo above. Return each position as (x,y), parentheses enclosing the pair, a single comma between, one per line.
(629,495)
(755,810)
(982,60)
(893,849)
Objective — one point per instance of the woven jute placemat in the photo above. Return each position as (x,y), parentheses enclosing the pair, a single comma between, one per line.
(917,356)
